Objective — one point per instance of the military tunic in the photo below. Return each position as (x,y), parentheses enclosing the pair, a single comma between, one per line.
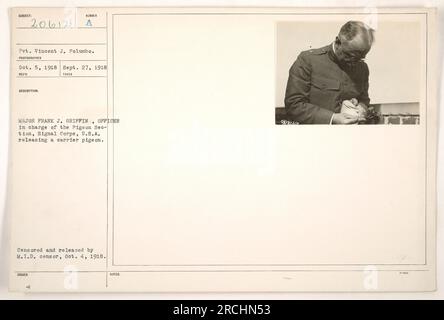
(318,83)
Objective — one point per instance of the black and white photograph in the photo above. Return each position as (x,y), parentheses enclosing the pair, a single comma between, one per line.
(348,72)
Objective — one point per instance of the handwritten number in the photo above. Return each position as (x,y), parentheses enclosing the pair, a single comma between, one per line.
(43,24)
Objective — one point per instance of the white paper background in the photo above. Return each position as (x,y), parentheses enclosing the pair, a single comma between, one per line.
(4,129)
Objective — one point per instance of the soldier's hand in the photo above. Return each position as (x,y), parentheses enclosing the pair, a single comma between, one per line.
(354,108)
(343,118)
(349,105)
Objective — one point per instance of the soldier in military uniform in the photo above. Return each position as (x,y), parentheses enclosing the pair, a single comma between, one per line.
(322,80)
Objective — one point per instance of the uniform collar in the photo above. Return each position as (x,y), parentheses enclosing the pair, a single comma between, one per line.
(332,53)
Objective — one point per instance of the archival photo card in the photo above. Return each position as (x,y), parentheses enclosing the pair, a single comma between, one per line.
(164,149)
